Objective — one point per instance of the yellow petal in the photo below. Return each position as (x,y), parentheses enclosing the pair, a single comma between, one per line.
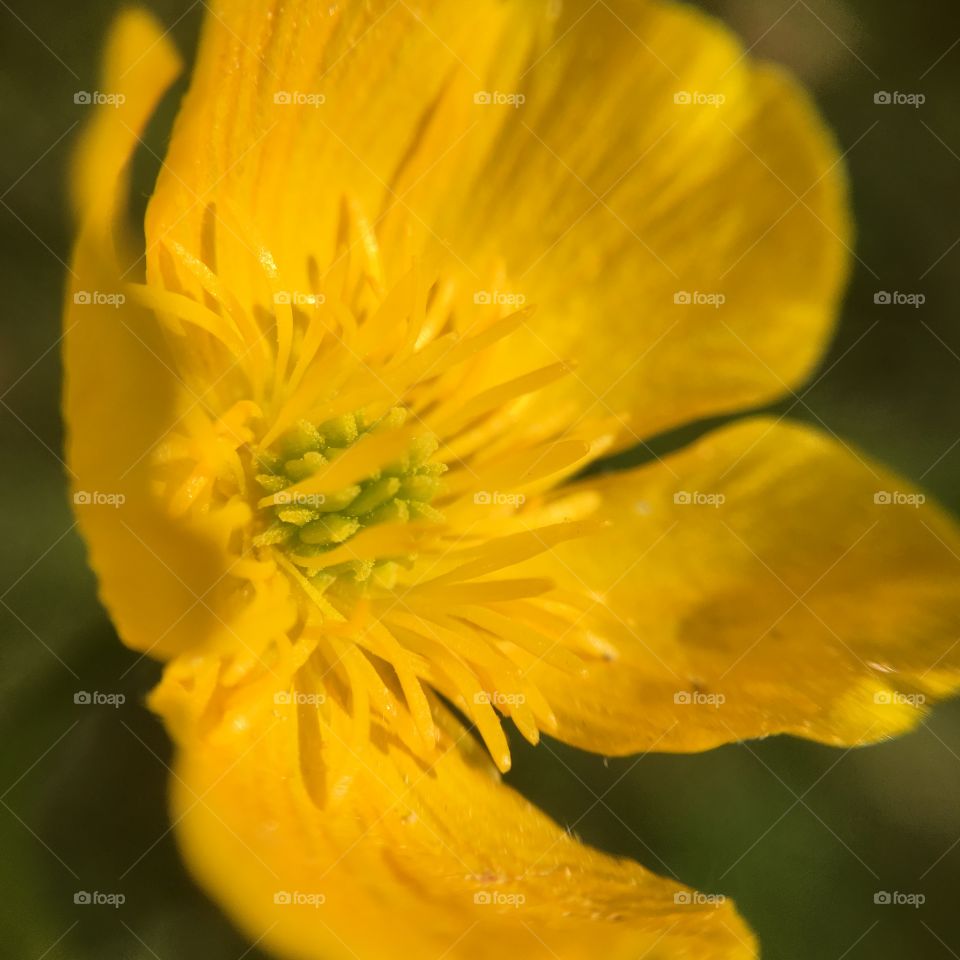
(139,65)
(688,256)
(541,160)
(119,386)
(766,580)
(416,861)
(298,112)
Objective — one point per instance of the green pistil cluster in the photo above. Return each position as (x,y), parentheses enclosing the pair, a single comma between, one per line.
(312,524)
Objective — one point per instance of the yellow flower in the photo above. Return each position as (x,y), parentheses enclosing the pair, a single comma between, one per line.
(409,268)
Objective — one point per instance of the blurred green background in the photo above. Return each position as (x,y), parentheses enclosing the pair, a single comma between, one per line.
(801,835)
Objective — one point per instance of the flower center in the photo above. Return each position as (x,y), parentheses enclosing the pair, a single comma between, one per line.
(300,514)
(319,434)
